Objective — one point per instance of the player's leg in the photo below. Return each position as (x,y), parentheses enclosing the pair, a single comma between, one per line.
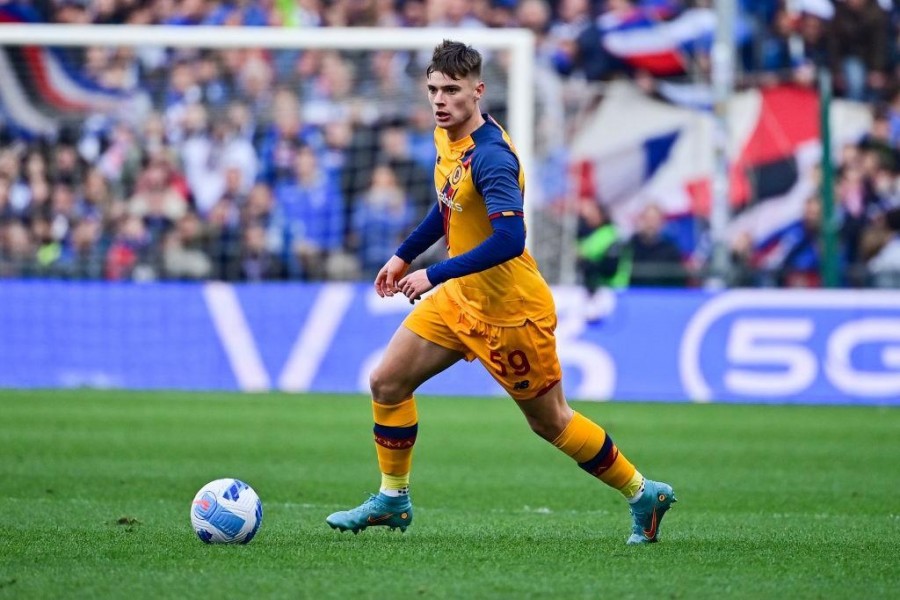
(409,360)
(551,417)
(524,361)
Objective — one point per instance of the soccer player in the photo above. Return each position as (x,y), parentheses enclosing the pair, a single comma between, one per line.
(492,304)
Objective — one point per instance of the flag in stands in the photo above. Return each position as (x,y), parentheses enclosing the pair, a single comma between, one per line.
(651,41)
(41,89)
(666,157)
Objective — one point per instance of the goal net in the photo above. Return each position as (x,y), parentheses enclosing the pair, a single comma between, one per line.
(184,152)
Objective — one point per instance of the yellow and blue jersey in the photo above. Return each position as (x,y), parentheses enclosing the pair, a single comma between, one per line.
(479,178)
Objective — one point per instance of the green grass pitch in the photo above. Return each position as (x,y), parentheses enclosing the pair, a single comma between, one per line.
(787,502)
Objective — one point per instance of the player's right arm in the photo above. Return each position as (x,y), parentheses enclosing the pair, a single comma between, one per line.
(430,230)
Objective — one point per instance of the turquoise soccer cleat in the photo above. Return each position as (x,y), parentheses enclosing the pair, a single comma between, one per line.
(380,510)
(647,513)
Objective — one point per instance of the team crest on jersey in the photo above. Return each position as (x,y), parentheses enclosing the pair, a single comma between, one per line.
(456,175)
(448,192)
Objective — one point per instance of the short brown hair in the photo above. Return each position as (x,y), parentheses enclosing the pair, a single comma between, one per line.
(456,60)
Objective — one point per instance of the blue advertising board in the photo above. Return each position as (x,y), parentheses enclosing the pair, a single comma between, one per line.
(773,346)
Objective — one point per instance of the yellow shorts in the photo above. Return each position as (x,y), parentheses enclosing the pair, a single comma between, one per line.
(522,359)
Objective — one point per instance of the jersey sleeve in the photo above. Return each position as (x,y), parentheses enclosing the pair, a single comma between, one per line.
(430,230)
(506,242)
(495,173)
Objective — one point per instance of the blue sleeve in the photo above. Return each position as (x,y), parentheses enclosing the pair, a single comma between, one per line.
(507,242)
(430,230)
(495,172)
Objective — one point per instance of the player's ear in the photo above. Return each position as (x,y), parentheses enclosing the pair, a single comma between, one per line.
(479,90)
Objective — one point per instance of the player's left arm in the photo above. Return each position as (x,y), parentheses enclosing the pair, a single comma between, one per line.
(496,176)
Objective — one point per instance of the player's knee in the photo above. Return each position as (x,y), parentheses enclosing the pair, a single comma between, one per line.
(387,389)
(547,427)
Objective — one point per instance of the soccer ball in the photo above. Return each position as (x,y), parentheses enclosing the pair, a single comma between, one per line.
(226,511)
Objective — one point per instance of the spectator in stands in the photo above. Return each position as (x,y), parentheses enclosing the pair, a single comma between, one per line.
(884,266)
(17,186)
(216,90)
(386,90)
(573,18)
(602,257)
(223,239)
(854,196)
(454,13)
(120,162)
(381,220)
(416,181)
(82,256)
(744,269)
(187,12)
(656,260)
(413,13)
(800,266)
(257,210)
(183,252)
(309,217)
(35,166)
(47,247)
(331,95)
(498,14)
(67,167)
(128,256)
(157,202)
(590,57)
(241,12)
(257,263)
(182,93)
(285,134)
(255,78)
(815,34)
(420,136)
(62,212)
(550,129)
(73,12)
(96,196)
(6,211)
(859,48)
(17,251)
(242,121)
(216,161)
(38,206)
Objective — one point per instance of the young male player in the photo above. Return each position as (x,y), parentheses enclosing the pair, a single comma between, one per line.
(493,305)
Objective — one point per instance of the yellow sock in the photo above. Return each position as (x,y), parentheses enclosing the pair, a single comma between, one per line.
(595,452)
(395,434)
(394,482)
(634,486)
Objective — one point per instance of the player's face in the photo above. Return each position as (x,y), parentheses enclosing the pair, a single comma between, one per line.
(454,102)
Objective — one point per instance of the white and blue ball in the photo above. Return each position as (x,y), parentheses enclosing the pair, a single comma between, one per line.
(226,511)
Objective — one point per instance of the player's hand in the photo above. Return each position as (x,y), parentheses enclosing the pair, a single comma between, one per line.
(390,273)
(414,285)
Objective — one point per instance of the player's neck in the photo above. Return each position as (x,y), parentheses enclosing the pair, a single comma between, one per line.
(465,129)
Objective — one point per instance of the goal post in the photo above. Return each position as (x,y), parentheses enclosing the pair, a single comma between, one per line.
(519,43)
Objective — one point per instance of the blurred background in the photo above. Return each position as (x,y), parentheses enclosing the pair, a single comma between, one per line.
(150,163)
(677,154)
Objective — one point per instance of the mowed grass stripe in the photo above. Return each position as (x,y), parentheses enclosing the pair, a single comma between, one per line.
(774,501)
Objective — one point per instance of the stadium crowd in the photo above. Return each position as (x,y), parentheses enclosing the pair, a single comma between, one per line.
(252,165)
